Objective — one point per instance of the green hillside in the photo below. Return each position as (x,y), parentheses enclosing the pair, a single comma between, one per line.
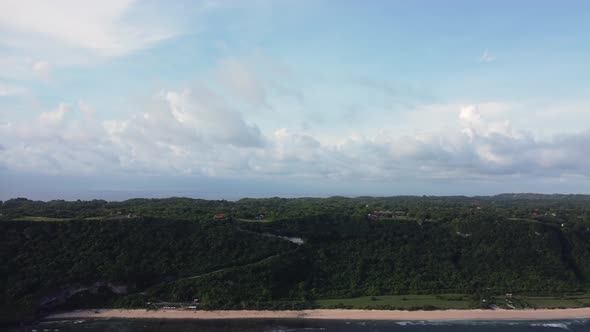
(448,253)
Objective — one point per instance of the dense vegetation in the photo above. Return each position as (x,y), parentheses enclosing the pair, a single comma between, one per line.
(95,253)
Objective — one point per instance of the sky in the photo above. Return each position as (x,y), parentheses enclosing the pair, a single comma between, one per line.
(115,99)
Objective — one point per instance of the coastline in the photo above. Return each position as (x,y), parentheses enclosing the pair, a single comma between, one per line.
(336,314)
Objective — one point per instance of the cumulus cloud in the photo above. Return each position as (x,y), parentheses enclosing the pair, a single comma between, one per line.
(191,132)
(185,131)
(206,114)
(474,124)
(195,132)
(55,117)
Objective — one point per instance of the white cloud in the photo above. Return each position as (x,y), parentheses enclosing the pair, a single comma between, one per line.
(54,117)
(20,68)
(475,125)
(9,90)
(42,69)
(96,26)
(196,132)
(85,108)
(207,114)
(40,37)
(487,56)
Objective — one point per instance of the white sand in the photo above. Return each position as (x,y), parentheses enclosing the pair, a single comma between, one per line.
(341,314)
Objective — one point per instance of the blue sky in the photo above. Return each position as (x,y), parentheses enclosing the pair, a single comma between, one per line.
(289,98)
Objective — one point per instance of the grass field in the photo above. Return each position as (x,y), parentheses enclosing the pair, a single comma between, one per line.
(397,218)
(440,301)
(535,221)
(568,301)
(48,219)
(41,219)
(453,301)
(254,220)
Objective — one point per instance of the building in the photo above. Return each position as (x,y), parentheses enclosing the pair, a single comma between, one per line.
(386,214)
(219,216)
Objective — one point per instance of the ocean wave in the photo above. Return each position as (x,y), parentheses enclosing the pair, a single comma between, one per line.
(414,322)
(562,325)
(280,329)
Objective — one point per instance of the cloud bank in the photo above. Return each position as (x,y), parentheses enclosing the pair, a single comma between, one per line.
(196,132)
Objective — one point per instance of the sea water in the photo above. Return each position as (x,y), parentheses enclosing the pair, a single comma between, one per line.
(295,325)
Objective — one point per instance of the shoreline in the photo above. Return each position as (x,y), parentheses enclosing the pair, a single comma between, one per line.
(334,314)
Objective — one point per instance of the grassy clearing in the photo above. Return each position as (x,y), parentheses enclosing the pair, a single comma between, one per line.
(453,301)
(398,218)
(404,302)
(535,221)
(254,220)
(41,219)
(48,219)
(568,301)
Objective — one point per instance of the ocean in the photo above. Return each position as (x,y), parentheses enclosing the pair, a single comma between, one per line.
(295,325)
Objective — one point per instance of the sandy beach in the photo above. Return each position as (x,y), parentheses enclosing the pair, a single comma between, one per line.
(340,314)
